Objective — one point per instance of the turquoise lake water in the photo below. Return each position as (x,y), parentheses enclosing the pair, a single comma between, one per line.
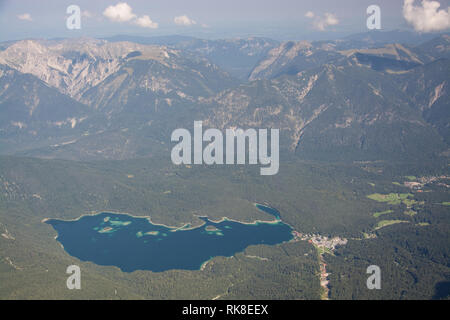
(134,243)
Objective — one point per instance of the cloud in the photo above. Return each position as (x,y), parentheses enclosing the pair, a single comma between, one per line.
(146,22)
(87,14)
(184,21)
(428,17)
(321,23)
(25,16)
(121,12)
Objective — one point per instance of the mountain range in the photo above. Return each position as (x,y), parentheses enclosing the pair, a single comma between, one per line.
(348,99)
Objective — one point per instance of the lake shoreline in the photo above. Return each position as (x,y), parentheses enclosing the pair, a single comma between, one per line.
(175,228)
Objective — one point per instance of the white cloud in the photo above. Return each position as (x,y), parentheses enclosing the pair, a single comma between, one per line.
(121,12)
(330,19)
(184,21)
(87,14)
(428,17)
(146,22)
(25,16)
(321,23)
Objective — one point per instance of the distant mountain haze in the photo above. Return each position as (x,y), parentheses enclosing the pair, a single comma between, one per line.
(350,99)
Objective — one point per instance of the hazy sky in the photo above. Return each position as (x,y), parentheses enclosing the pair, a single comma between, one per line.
(282,19)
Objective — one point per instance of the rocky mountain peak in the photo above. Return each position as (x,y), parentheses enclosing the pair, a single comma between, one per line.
(74,66)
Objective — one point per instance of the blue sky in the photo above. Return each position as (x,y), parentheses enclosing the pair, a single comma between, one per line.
(282,19)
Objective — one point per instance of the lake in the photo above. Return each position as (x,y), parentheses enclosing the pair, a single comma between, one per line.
(135,243)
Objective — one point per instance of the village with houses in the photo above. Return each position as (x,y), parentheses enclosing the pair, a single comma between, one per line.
(323,245)
(417,184)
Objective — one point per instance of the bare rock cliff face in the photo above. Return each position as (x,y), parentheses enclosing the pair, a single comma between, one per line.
(72,66)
